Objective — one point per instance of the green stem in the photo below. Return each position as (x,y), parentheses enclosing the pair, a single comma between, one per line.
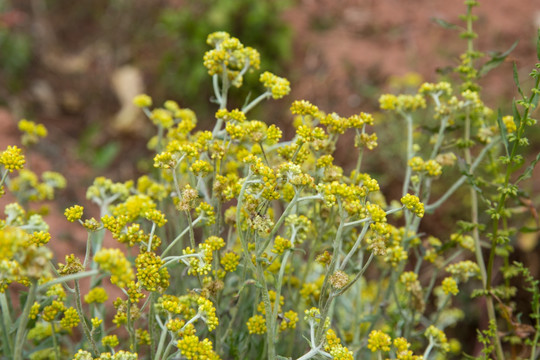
(359,239)
(428,349)
(255,101)
(162,338)
(7,343)
(357,276)
(179,237)
(86,329)
(410,153)
(21,330)
(4,176)
(270,321)
(55,342)
(68,278)
(224,89)
(278,288)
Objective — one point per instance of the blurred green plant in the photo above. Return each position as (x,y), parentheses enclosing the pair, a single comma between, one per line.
(15,49)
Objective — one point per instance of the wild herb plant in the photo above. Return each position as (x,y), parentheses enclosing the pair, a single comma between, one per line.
(244,245)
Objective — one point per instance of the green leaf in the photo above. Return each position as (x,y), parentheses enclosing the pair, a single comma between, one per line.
(105,155)
(528,172)
(516,114)
(534,100)
(526,229)
(445,24)
(538,46)
(502,131)
(496,59)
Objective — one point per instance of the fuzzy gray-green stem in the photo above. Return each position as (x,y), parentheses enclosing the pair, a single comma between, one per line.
(7,343)
(55,342)
(86,330)
(68,278)
(410,153)
(21,329)
(257,100)
(270,320)
(179,237)
(162,338)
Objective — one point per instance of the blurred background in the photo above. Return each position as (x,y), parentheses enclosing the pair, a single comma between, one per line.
(76,65)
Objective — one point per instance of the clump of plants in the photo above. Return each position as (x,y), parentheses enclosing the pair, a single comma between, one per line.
(245,245)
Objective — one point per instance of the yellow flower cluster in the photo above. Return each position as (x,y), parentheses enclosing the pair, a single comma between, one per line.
(71,318)
(96,295)
(277,86)
(74,213)
(150,272)
(28,187)
(230,261)
(230,56)
(431,167)
(207,311)
(193,349)
(115,262)
(449,286)
(509,123)
(379,341)
(256,324)
(103,191)
(402,103)
(142,101)
(303,107)
(440,88)
(464,270)
(51,311)
(281,244)
(438,337)
(412,203)
(12,158)
(31,131)
(151,188)
(110,340)
(338,125)
(402,350)
(119,355)
(20,258)
(410,280)
(215,242)
(201,168)
(335,348)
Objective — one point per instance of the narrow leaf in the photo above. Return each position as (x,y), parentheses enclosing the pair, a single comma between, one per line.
(517,115)
(527,230)
(496,59)
(534,100)
(445,24)
(538,45)
(502,130)
(528,172)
